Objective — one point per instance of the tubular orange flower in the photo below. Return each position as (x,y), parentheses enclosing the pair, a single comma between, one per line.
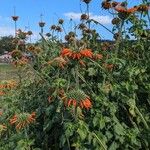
(72,102)
(1,86)
(86,103)
(21,62)
(1,113)
(143,7)
(86,53)
(78,98)
(98,56)
(22,120)
(82,63)
(66,52)
(2,128)
(76,55)
(120,9)
(2,93)
(108,66)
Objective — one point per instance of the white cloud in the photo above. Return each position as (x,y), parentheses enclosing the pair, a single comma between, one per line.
(103,19)
(5,31)
(73,15)
(5,19)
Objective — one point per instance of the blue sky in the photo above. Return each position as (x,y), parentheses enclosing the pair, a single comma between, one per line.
(30,10)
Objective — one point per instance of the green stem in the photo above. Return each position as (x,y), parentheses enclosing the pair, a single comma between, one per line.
(142,118)
(77,76)
(99,141)
(68,143)
(96,22)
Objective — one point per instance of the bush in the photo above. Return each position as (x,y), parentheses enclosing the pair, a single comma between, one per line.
(84,94)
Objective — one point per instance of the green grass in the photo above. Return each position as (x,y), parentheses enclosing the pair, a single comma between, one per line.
(7,72)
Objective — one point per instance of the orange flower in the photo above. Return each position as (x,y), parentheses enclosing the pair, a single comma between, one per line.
(2,93)
(22,120)
(66,52)
(76,55)
(86,53)
(2,128)
(98,56)
(121,9)
(143,7)
(132,10)
(72,102)
(1,113)
(86,103)
(21,62)
(1,86)
(82,63)
(108,66)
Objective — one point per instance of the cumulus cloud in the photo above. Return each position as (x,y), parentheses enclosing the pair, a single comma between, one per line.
(5,31)
(103,19)
(5,26)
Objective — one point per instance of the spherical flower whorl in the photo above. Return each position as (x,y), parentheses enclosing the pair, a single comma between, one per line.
(15,18)
(41,24)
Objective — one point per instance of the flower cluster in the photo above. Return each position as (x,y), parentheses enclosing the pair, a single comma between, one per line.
(34,49)
(8,84)
(22,120)
(58,61)
(121,7)
(21,62)
(78,98)
(2,128)
(23,35)
(85,53)
(5,85)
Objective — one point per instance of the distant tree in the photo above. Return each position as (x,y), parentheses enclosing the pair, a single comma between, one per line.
(6,44)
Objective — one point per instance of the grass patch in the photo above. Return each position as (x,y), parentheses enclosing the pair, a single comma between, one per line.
(7,72)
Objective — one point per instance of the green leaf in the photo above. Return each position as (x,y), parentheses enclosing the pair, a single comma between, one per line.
(91,71)
(82,134)
(113,146)
(119,129)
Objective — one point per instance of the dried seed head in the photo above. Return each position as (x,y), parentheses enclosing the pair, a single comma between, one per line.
(48,34)
(60,21)
(88,30)
(29,33)
(67,37)
(106,5)
(53,27)
(115,21)
(41,24)
(58,28)
(116,35)
(82,26)
(15,18)
(71,34)
(84,17)
(86,1)
(124,4)
(114,4)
